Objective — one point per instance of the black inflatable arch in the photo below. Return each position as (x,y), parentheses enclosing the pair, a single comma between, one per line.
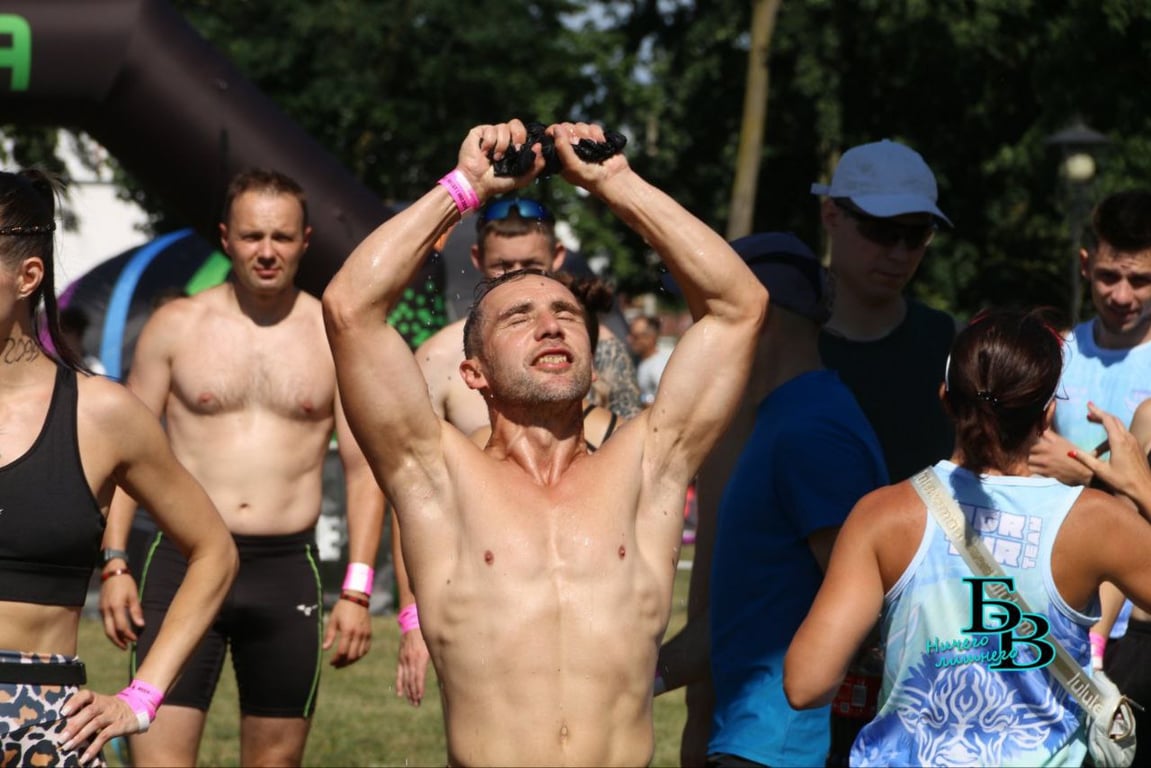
(176,114)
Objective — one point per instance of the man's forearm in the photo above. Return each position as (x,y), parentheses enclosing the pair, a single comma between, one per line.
(365,516)
(380,268)
(686,244)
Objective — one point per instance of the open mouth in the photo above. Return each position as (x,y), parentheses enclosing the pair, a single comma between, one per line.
(553,359)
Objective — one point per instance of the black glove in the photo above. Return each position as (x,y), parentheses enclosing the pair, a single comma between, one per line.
(517,162)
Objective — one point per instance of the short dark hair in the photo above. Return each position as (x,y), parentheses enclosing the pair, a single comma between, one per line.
(262,180)
(475,319)
(1123,221)
(1003,371)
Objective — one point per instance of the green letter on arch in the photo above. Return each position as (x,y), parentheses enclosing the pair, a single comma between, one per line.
(18,56)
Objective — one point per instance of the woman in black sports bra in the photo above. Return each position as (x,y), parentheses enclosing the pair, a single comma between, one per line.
(68,440)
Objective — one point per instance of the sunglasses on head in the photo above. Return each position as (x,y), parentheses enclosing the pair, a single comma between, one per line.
(526,209)
(887,232)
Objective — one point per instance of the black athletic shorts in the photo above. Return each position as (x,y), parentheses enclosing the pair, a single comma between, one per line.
(272,619)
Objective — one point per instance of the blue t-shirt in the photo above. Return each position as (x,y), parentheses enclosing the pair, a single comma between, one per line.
(810,457)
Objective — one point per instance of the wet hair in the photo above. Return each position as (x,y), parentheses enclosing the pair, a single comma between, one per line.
(264,181)
(1123,221)
(1002,373)
(473,325)
(513,225)
(27,227)
(595,295)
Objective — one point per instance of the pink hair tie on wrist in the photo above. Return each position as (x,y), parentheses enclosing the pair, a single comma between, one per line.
(359,578)
(460,189)
(144,699)
(408,618)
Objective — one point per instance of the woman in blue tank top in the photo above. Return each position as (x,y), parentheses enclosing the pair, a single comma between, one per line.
(67,440)
(961,685)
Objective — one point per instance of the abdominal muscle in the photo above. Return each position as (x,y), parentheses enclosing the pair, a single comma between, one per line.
(548,671)
(262,471)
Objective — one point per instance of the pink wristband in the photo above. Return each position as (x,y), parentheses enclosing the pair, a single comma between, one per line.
(1098,644)
(408,618)
(359,577)
(460,189)
(144,699)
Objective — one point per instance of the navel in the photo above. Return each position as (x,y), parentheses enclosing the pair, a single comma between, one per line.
(563,732)
(489,558)
(622,551)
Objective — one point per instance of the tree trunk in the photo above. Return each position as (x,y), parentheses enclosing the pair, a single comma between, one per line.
(755,94)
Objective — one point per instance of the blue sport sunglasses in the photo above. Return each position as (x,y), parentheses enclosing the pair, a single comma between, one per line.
(526,209)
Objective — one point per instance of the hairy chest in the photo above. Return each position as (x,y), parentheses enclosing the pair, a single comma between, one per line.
(236,366)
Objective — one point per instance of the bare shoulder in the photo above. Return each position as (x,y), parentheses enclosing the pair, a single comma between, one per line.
(180,314)
(107,404)
(444,348)
(888,510)
(1096,511)
(890,521)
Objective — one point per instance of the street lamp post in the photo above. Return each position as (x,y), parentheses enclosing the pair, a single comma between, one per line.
(1078,146)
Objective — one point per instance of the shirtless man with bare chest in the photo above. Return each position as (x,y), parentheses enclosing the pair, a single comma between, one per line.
(543,573)
(244,377)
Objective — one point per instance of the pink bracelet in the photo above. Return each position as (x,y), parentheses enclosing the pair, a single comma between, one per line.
(144,699)
(1098,644)
(460,189)
(359,577)
(408,618)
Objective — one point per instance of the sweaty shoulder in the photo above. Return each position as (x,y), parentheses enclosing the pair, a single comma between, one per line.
(445,347)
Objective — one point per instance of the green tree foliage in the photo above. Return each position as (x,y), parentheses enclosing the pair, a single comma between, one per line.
(976,86)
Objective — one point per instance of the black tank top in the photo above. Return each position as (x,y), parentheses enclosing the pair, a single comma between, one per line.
(50,523)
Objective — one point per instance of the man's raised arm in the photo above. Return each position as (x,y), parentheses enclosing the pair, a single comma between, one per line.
(384,394)
(701,386)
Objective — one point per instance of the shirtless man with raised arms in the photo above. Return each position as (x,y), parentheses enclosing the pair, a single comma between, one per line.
(544,573)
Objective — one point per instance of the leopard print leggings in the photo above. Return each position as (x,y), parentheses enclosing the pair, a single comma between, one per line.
(30,721)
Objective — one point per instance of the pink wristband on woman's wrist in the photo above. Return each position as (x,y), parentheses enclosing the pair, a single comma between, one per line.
(1098,644)
(460,189)
(408,618)
(144,699)
(359,577)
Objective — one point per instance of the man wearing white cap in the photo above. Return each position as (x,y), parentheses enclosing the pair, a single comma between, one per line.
(880,214)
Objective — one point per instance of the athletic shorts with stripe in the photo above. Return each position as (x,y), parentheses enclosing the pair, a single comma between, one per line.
(272,619)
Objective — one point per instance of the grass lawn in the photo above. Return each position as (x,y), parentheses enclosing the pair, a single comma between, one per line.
(359,721)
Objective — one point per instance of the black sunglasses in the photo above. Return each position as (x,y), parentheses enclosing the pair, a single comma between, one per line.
(526,209)
(887,232)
